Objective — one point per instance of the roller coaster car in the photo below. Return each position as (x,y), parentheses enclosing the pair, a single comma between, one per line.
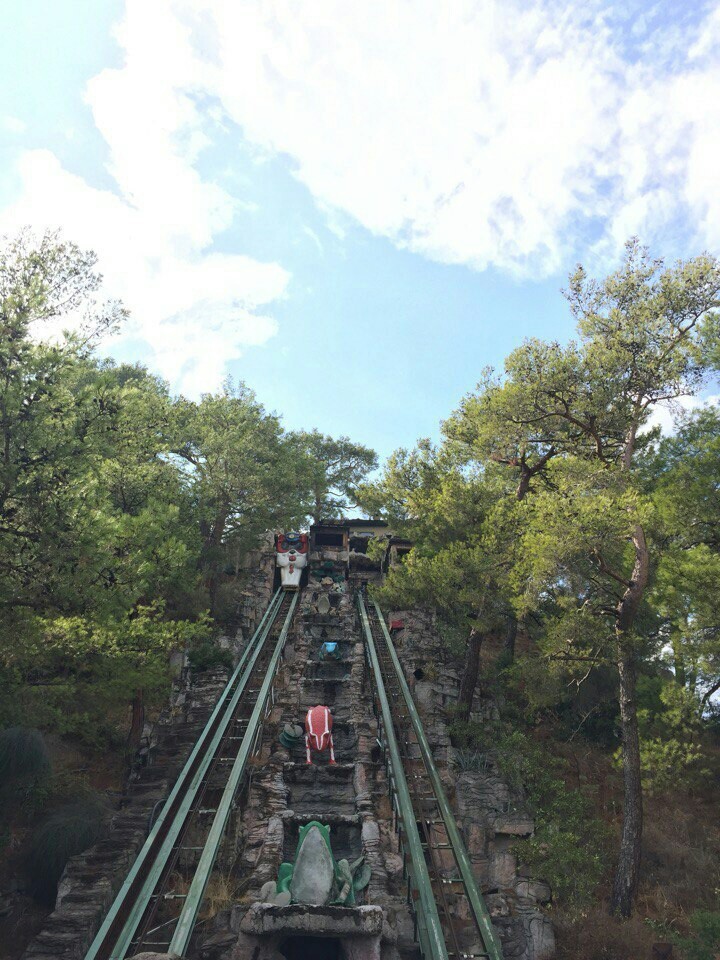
(291,550)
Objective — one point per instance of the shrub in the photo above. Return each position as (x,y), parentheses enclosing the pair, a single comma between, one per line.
(569,846)
(23,755)
(66,832)
(704,940)
(207,655)
(470,761)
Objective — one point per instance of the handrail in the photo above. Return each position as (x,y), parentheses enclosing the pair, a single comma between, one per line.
(480,911)
(177,804)
(193,901)
(432,939)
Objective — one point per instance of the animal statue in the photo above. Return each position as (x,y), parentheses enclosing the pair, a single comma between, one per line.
(318,732)
(291,556)
(315,877)
(329,649)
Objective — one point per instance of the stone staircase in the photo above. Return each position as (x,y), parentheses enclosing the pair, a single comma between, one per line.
(352,798)
(92,879)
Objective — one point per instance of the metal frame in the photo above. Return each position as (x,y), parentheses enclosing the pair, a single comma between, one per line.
(432,939)
(479,909)
(149,864)
(193,901)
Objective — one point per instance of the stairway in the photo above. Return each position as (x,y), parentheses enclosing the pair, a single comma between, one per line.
(351,797)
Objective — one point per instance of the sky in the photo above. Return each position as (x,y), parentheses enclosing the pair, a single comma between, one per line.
(356,207)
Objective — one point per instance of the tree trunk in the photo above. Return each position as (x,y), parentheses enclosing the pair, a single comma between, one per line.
(470,675)
(628,868)
(138,719)
(510,638)
(523,486)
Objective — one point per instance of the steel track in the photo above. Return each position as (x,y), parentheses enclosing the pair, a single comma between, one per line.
(465,920)
(160,899)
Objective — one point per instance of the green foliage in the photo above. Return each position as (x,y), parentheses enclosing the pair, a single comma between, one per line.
(124,512)
(76,676)
(703,941)
(68,831)
(377,548)
(537,684)
(672,746)
(334,469)
(207,654)
(682,473)
(23,755)
(569,848)
(572,858)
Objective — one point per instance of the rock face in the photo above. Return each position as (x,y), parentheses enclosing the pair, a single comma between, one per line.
(492,815)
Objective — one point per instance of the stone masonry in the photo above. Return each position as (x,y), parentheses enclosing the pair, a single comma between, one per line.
(351,797)
(491,814)
(92,879)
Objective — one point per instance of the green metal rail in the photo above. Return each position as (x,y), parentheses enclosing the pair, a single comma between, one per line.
(442,838)
(193,902)
(116,935)
(430,930)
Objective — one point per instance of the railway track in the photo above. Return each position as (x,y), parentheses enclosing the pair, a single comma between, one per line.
(451,916)
(158,905)
(160,901)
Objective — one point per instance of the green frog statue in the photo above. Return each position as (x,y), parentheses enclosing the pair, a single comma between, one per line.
(315,877)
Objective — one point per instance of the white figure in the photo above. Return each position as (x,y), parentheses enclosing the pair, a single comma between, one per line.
(291,553)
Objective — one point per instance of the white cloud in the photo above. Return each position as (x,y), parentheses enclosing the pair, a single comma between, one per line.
(194,308)
(315,239)
(13,125)
(516,134)
(664,415)
(483,132)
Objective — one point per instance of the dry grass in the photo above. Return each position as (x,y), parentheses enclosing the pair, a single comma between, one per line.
(594,935)
(680,865)
(222,892)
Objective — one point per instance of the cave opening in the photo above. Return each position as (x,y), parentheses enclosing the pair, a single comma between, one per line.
(311,948)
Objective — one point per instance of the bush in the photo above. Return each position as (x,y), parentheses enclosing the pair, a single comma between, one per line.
(66,832)
(569,846)
(23,755)
(207,655)
(470,761)
(704,940)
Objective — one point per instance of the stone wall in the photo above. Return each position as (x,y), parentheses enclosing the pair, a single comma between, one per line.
(92,879)
(254,589)
(492,815)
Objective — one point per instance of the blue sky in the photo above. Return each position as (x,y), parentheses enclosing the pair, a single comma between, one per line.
(355,208)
